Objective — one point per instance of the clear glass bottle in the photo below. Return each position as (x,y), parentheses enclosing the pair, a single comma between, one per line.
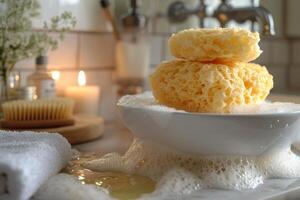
(42,80)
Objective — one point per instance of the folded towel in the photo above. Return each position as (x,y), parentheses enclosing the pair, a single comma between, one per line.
(27,160)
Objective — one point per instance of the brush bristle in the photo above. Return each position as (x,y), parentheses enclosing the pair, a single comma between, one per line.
(42,109)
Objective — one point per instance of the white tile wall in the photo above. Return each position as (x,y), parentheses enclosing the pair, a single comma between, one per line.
(48,10)
(65,57)
(96,50)
(293,28)
(88,13)
(108,99)
(265,56)
(156,45)
(296,51)
(279,49)
(167,54)
(295,76)
(162,24)
(279,73)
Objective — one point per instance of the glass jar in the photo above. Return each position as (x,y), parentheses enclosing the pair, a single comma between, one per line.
(42,80)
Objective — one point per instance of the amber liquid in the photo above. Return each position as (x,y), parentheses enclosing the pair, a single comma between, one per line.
(120,185)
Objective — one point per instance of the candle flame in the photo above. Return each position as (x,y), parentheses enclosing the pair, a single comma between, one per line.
(81,78)
(55,75)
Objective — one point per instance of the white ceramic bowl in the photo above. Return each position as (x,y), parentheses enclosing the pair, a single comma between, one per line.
(214,134)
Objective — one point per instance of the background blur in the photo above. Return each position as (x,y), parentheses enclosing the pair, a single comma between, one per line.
(91,46)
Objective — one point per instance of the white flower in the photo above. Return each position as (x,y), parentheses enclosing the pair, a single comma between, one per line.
(18,40)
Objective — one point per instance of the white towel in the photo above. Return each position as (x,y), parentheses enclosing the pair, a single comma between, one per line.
(27,160)
(66,187)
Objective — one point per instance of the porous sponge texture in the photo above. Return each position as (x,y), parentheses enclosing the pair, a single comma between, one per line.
(210,87)
(218,44)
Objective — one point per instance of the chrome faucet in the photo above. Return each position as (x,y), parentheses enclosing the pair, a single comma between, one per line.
(178,12)
(225,12)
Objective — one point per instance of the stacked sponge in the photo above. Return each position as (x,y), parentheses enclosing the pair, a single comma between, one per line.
(211,72)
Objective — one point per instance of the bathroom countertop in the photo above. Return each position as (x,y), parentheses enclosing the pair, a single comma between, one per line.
(116,138)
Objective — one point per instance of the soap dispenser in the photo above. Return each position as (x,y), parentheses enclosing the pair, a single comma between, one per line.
(132,51)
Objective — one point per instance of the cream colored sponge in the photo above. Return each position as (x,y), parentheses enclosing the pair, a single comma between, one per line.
(219,44)
(210,87)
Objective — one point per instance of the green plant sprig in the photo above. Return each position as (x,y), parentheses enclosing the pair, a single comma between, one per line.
(18,39)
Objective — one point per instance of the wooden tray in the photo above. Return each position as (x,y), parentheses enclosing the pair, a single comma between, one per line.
(85,128)
(36,124)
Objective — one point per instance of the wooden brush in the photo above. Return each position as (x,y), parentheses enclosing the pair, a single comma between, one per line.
(43,113)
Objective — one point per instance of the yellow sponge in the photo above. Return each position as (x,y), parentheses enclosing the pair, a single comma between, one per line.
(210,87)
(219,44)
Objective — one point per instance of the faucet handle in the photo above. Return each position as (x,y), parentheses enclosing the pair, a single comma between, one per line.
(225,12)
(178,12)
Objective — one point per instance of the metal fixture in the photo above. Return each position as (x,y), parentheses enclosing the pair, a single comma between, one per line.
(134,20)
(225,12)
(109,16)
(178,12)
(134,24)
(132,51)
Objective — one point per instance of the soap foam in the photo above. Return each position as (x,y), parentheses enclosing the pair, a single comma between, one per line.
(178,173)
(147,101)
(175,182)
(267,108)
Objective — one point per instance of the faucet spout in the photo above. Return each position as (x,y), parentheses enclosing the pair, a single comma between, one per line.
(178,12)
(264,17)
(225,12)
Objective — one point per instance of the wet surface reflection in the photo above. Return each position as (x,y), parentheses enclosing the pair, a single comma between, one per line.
(119,185)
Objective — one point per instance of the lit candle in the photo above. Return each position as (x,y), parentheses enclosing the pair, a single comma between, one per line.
(55,75)
(86,97)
